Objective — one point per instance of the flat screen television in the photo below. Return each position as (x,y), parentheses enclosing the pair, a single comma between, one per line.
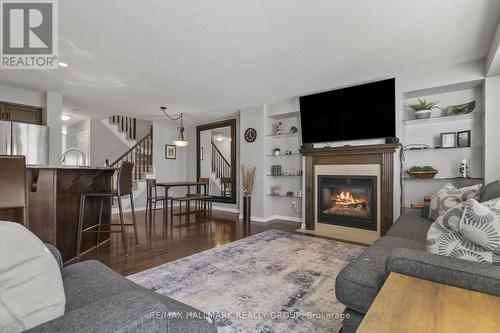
(365,111)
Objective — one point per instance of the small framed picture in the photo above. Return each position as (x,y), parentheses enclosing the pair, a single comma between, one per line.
(170,152)
(201,154)
(448,140)
(463,139)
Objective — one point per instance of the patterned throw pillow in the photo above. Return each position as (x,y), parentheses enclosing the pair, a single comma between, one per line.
(449,196)
(469,231)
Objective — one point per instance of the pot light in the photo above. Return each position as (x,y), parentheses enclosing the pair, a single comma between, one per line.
(65,117)
(63,64)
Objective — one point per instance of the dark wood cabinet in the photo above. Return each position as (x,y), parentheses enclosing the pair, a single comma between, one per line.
(20,113)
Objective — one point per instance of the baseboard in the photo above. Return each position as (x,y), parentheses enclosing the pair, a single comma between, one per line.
(225,209)
(273,217)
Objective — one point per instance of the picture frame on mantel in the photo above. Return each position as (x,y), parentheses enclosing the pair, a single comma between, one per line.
(170,152)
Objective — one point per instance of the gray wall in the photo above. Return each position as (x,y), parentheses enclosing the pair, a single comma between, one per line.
(104,144)
(491,131)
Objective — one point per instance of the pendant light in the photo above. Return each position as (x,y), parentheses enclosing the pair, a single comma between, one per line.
(180,142)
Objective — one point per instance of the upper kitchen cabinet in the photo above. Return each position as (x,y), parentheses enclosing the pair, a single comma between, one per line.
(20,113)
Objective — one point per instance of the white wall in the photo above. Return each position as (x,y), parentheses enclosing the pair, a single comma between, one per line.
(492,132)
(54,104)
(104,144)
(73,141)
(252,154)
(166,169)
(22,96)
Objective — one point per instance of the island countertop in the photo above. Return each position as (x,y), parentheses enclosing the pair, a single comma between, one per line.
(70,167)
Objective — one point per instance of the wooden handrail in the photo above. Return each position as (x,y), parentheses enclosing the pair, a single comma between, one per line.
(220,166)
(141,154)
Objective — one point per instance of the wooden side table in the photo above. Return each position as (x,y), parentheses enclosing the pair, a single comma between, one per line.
(408,304)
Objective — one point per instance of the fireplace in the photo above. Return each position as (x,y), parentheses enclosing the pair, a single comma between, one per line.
(349,201)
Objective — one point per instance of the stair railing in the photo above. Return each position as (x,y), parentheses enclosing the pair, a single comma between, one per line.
(141,154)
(126,125)
(220,166)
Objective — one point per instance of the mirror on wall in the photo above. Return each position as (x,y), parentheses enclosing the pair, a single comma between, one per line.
(216,157)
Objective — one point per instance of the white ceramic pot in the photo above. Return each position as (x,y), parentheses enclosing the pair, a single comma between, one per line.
(422,114)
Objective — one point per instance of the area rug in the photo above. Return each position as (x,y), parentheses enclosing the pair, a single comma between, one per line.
(274,281)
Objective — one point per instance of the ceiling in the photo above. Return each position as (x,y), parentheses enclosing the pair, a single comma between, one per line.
(212,57)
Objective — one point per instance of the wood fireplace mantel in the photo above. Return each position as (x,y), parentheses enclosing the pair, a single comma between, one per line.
(382,154)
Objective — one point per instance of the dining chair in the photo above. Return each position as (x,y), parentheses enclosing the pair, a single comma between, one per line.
(124,187)
(152,198)
(13,194)
(207,198)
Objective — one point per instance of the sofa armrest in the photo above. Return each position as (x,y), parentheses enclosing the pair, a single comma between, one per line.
(55,252)
(460,273)
(133,311)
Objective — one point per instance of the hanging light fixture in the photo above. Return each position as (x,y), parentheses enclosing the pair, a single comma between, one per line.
(180,142)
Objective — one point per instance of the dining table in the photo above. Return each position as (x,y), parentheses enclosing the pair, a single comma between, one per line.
(168,185)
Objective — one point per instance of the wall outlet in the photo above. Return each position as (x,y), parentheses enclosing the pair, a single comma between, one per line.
(294,204)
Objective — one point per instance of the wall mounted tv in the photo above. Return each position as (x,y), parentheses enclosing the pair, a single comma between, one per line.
(366,111)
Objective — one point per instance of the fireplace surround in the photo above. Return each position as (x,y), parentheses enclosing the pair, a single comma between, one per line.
(365,160)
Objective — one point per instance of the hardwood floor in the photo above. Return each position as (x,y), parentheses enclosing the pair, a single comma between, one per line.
(164,243)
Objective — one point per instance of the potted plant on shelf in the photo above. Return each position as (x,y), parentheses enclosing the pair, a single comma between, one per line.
(247,183)
(425,172)
(423,108)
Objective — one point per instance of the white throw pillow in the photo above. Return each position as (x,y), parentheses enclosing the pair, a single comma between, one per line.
(449,196)
(469,231)
(31,287)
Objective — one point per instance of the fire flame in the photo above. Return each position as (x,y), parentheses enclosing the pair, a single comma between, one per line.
(346,198)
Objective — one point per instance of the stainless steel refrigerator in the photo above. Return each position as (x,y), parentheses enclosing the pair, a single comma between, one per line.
(29,140)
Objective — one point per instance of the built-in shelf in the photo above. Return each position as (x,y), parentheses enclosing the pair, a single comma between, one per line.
(282,195)
(444,89)
(432,149)
(284,175)
(286,115)
(472,115)
(284,135)
(281,155)
(442,178)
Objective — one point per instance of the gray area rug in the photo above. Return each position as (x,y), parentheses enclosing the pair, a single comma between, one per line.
(274,281)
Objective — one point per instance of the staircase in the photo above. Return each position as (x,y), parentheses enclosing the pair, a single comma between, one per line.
(141,154)
(125,125)
(221,171)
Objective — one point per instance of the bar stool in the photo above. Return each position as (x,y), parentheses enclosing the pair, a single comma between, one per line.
(152,199)
(13,185)
(124,188)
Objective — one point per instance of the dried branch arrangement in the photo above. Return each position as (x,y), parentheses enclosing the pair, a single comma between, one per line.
(247,179)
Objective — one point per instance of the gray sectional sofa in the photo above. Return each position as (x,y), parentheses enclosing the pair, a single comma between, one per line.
(101,300)
(403,250)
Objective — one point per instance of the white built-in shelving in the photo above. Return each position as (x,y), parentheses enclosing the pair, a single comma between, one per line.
(284,204)
(427,132)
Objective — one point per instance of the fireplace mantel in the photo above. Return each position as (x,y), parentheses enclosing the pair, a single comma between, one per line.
(382,154)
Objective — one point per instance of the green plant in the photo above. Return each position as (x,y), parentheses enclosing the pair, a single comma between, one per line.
(416,169)
(426,168)
(423,105)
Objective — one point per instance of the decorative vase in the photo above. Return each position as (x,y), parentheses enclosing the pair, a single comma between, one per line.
(247,208)
(422,114)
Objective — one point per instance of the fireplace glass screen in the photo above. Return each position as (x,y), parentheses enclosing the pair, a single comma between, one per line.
(348,201)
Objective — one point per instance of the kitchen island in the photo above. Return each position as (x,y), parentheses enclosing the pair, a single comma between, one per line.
(54,204)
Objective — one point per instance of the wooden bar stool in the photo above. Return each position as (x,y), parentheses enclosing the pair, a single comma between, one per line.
(13,186)
(124,188)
